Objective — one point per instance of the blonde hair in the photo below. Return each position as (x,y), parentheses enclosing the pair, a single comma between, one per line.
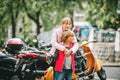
(66,34)
(66,20)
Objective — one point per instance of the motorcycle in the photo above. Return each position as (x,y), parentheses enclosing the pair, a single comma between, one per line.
(31,64)
(22,61)
(7,63)
(86,65)
(16,61)
(8,58)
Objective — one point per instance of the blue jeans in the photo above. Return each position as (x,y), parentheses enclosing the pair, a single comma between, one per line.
(66,74)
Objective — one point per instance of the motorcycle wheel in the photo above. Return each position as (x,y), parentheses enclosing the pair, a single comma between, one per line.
(30,77)
(102,74)
(27,78)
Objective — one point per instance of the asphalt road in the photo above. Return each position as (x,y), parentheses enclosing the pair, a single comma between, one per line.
(113,73)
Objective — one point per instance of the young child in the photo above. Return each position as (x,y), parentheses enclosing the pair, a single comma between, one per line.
(65,65)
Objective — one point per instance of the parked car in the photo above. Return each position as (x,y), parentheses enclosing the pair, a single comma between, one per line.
(82,30)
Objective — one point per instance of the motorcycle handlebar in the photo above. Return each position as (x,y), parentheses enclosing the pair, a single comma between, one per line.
(84,43)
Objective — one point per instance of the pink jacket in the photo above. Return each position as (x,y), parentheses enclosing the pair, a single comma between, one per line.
(56,39)
(60,61)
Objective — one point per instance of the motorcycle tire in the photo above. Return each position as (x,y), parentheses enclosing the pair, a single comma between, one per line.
(102,74)
(27,78)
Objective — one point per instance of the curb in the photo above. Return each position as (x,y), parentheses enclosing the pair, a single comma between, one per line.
(111,64)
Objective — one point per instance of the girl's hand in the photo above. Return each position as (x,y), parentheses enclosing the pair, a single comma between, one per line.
(46,54)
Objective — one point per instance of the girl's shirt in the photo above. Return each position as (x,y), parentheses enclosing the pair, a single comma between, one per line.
(56,40)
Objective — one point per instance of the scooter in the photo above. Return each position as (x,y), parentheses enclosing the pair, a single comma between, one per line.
(92,65)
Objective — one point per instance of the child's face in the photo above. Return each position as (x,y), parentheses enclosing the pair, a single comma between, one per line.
(66,26)
(70,38)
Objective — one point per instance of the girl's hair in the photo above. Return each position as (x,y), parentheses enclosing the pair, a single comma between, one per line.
(66,20)
(66,34)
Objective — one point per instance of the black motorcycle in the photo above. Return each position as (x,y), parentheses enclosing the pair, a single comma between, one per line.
(31,64)
(7,65)
(27,67)
(8,58)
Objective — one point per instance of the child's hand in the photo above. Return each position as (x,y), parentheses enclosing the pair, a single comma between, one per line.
(48,55)
(67,52)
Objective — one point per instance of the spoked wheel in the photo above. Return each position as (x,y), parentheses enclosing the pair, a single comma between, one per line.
(102,74)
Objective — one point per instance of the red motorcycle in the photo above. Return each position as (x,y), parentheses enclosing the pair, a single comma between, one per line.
(17,59)
(31,65)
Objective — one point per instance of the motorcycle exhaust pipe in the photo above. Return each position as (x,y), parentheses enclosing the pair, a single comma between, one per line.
(39,72)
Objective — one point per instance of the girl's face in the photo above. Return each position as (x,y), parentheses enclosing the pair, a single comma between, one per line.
(70,39)
(66,26)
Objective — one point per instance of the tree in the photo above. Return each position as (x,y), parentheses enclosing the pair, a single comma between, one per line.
(47,13)
(14,9)
(4,21)
(9,14)
(103,13)
(33,10)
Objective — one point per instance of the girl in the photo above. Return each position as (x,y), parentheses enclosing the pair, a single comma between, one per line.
(56,38)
